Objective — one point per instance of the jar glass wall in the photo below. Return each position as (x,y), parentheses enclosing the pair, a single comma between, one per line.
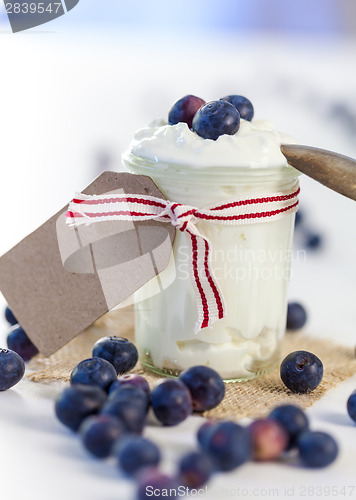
(251,263)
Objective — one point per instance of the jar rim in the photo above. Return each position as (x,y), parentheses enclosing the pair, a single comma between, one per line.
(172,171)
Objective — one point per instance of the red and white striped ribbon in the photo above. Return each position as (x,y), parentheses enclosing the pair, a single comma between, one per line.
(87,209)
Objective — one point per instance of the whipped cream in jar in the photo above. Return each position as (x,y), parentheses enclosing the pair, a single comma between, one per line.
(250,261)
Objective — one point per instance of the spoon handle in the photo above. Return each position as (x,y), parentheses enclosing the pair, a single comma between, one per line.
(335,171)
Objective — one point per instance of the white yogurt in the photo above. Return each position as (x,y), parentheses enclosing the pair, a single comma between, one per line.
(251,262)
(255,145)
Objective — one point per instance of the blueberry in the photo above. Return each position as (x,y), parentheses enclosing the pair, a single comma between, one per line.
(351,406)
(12,369)
(313,241)
(296,316)
(317,449)
(242,104)
(9,315)
(301,371)
(299,217)
(18,341)
(120,352)
(229,445)
(184,110)
(154,484)
(171,401)
(78,402)
(131,379)
(94,371)
(216,118)
(194,470)
(99,433)
(130,405)
(130,393)
(131,414)
(293,419)
(205,385)
(269,439)
(204,431)
(135,452)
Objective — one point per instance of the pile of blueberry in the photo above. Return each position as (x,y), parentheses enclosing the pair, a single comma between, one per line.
(286,428)
(110,414)
(211,119)
(109,407)
(224,446)
(20,349)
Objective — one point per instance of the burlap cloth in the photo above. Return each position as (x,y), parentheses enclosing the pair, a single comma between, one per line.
(254,398)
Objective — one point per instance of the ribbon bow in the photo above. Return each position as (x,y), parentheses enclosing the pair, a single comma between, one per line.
(88,209)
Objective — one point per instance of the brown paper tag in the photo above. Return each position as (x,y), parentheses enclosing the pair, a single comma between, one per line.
(60,279)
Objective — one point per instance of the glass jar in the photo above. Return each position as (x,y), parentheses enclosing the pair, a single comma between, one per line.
(251,263)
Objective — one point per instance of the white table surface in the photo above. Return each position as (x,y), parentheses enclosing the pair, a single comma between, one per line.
(67,98)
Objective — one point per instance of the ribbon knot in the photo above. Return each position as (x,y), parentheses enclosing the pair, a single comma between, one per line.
(182,216)
(87,209)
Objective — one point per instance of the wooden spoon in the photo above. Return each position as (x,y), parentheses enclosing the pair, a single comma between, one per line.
(335,171)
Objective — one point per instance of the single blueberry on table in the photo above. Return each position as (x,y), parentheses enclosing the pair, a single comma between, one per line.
(296,316)
(301,371)
(184,110)
(229,445)
(78,402)
(293,419)
(12,369)
(9,315)
(171,401)
(18,341)
(194,470)
(216,118)
(269,439)
(131,379)
(205,386)
(135,453)
(317,449)
(120,352)
(242,104)
(152,483)
(94,371)
(99,433)
(351,406)
(313,241)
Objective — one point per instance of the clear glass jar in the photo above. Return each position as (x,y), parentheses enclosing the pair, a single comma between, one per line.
(251,263)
